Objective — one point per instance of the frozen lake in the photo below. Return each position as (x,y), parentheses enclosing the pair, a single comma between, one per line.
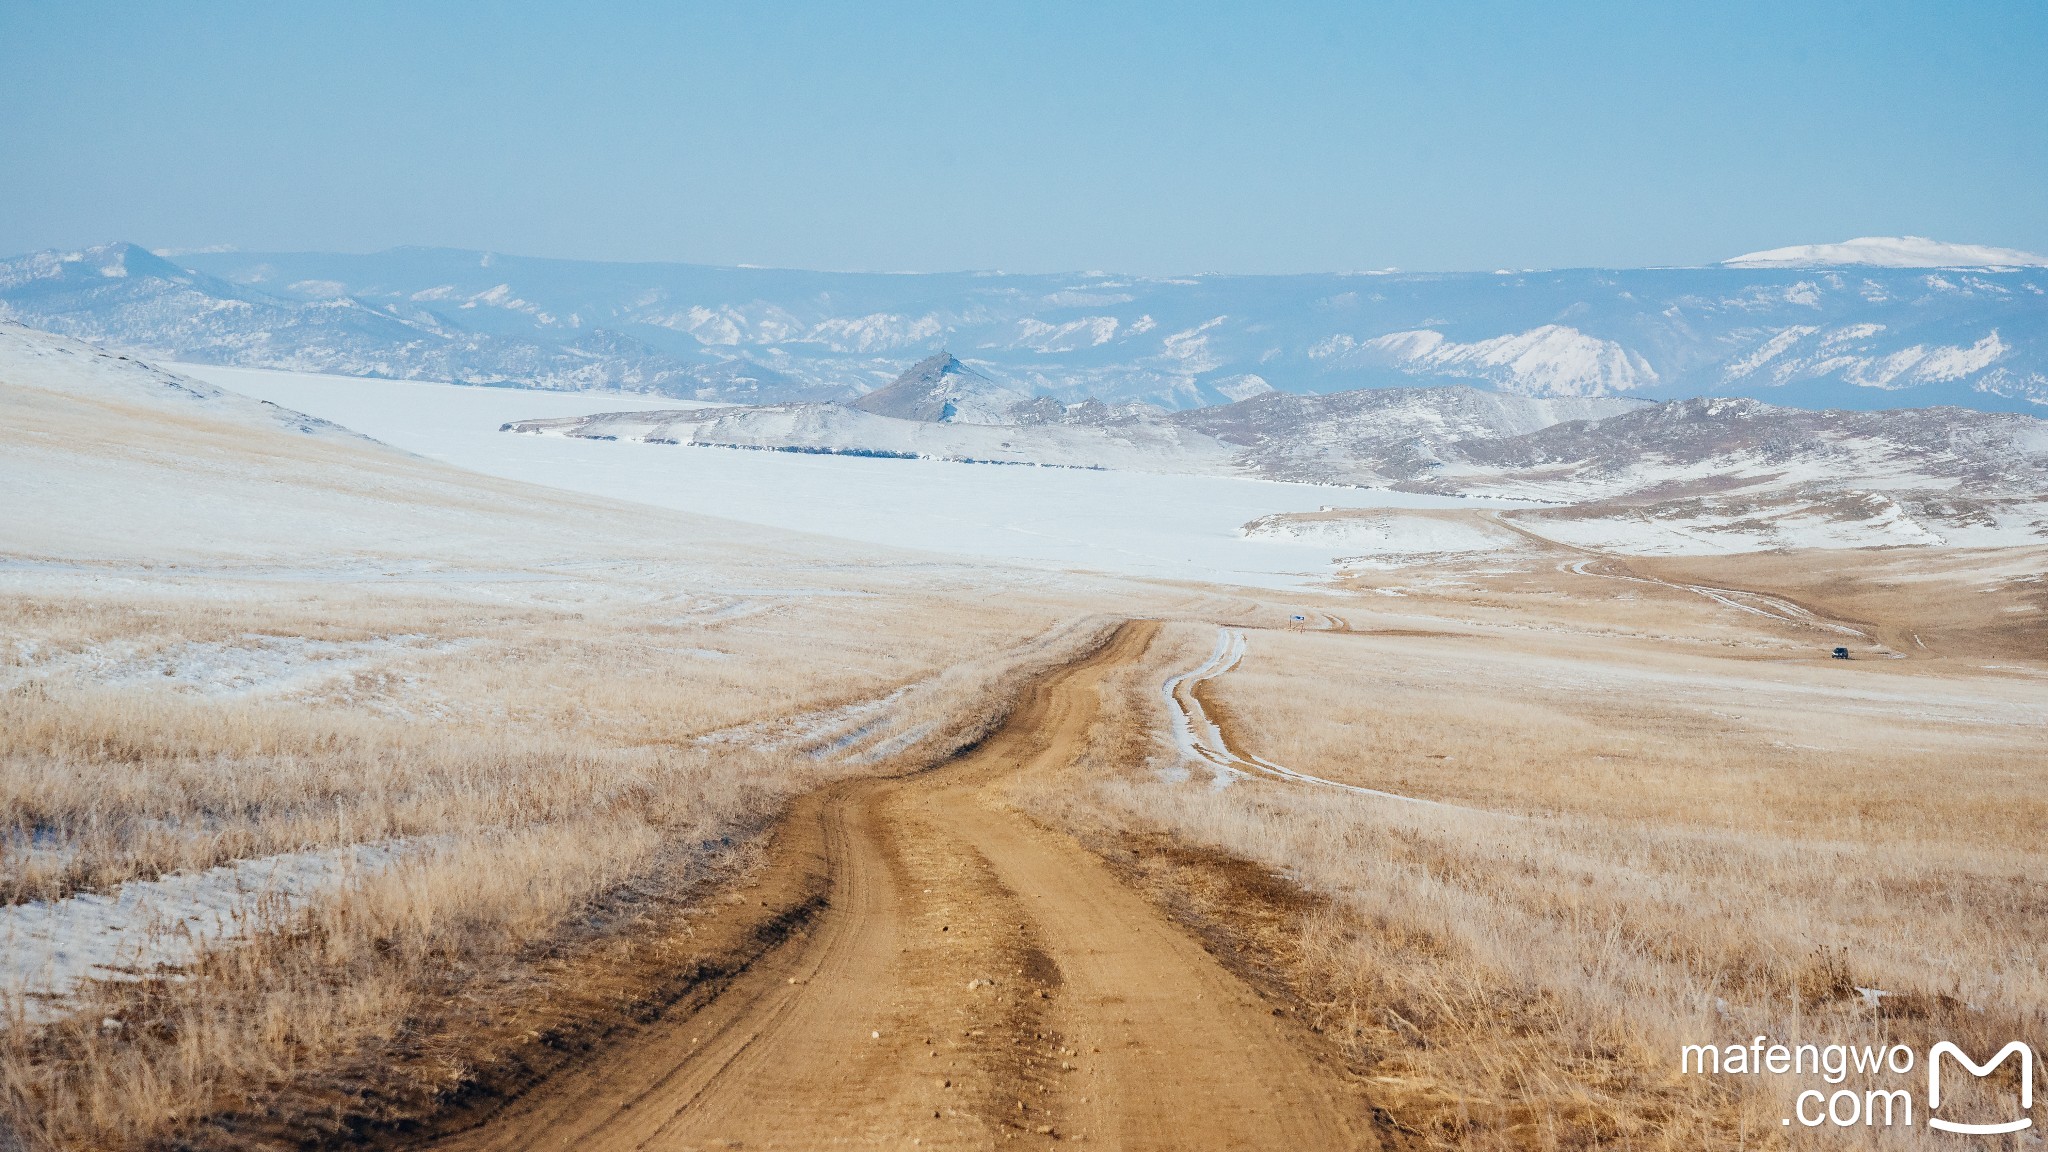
(1172,527)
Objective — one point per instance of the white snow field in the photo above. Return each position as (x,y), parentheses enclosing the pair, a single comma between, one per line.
(1162,527)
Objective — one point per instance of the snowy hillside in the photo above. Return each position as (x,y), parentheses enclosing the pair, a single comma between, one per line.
(88,432)
(1380,436)
(107,458)
(1848,326)
(1716,444)
(47,373)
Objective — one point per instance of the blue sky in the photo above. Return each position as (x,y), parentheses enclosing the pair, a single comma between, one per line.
(1162,138)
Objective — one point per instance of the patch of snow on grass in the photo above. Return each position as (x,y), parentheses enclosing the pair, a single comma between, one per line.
(1194,734)
(1200,741)
(1870,520)
(1390,536)
(255,664)
(145,928)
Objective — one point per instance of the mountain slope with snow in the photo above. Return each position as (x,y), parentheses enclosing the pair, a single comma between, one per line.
(1704,446)
(941,389)
(104,459)
(47,374)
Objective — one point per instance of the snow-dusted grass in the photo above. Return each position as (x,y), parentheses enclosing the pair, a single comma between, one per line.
(1393,537)
(1175,527)
(216,835)
(1623,731)
(250,665)
(1647,842)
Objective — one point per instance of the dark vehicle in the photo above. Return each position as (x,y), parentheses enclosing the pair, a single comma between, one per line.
(1841,653)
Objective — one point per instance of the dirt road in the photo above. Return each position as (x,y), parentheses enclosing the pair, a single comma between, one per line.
(975,981)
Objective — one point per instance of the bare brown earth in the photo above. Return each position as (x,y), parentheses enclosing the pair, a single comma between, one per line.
(972,980)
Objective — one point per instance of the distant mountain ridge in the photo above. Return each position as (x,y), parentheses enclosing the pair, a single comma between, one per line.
(121,295)
(1794,327)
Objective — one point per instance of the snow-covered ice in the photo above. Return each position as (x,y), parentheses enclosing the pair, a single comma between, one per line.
(1172,527)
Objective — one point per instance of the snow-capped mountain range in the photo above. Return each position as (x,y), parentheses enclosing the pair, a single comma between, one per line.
(1890,252)
(1871,323)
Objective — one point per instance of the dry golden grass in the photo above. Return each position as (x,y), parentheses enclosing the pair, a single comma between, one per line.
(536,760)
(506,719)
(1651,844)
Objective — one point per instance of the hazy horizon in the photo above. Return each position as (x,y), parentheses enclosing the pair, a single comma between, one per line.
(1042,139)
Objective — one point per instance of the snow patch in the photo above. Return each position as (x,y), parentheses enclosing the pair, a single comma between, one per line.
(145,928)
(1200,741)
(1389,535)
(254,664)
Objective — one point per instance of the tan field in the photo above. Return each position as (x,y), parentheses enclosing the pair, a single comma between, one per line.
(695,835)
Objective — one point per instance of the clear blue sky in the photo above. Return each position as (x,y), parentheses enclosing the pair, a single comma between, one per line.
(1159,138)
